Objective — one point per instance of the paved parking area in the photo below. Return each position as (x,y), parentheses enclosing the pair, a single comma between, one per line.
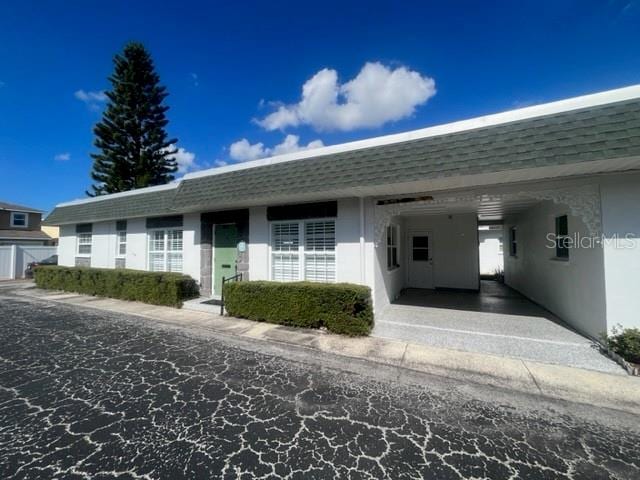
(498,320)
(86,394)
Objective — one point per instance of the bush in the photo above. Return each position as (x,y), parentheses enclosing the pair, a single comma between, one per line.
(158,288)
(626,343)
(341,308)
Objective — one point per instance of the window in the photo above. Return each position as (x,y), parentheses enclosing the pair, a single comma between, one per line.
(513,242)
(420,249)
(562,237)
(320,251)
(392,247)
(121,243)
(165,251)
(19,219)
(303,250)
(285,262)
(84,243)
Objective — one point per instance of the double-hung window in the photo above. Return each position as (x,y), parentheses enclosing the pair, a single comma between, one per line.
(303,251)
(121,243)
(165,250)
(121,238)
(19,219)
(392,247)
(84,243)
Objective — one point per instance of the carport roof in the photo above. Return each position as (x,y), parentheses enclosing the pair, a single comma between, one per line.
(583,129)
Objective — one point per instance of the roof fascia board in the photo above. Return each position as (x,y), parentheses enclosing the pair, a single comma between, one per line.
(111,196)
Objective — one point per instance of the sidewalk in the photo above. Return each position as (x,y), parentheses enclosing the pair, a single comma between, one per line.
(554,381)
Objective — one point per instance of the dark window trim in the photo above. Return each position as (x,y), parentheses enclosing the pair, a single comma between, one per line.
(172,221)
(225,216)
(84,228)
(303,211)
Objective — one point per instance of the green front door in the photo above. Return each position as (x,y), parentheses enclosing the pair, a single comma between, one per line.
(224,255)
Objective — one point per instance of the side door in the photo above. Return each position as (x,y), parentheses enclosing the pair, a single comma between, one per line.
(420,260)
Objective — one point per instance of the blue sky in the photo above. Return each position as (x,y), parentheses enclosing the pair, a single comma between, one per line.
(394,66)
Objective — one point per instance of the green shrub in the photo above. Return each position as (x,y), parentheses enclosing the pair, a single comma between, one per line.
(626,343)
(158,288)
(341,308)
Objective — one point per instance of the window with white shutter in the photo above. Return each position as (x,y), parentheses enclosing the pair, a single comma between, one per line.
(303,250)
(320,251)
(285,254)
(165,251)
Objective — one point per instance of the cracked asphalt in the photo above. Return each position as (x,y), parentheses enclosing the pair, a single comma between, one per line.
(87,394)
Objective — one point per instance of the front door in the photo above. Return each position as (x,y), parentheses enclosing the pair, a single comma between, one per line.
(225,254)
(420,261)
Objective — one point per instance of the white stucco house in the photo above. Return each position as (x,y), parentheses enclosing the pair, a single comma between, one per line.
(403,211)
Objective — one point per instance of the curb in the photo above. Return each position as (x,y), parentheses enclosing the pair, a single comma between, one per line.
(619,392)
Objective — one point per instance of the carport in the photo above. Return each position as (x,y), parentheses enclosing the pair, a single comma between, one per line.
(495,320)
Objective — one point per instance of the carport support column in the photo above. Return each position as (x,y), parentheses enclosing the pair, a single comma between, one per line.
(363,277)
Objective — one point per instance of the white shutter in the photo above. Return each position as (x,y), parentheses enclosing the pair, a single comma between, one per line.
(165,251)
(286,267)
(285,258)
(156,262)
(319,251)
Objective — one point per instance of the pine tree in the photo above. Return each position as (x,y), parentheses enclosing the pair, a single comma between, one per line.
(134,149)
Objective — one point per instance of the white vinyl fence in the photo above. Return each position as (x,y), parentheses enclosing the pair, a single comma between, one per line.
(14,259)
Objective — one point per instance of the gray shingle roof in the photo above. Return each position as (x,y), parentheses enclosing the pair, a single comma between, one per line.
(23,235)
(589,134)
(131,206)
(18,208)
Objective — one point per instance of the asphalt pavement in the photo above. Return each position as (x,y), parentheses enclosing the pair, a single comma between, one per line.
(89,394)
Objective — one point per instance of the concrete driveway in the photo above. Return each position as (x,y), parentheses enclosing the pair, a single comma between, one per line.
(497,320)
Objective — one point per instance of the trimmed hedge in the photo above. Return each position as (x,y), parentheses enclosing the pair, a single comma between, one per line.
(341,308)
(626,343)
(158,288)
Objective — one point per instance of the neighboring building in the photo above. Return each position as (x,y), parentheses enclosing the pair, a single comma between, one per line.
(403,210)
(20,225)
(52,232)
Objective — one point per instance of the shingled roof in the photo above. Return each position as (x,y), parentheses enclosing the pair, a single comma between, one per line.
(597,132)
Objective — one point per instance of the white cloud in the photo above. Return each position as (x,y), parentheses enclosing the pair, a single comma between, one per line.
(195,79)
(89,96)
(186,160)
(377,95)
(92,99)
(243,150)
(62,157)
(291,144)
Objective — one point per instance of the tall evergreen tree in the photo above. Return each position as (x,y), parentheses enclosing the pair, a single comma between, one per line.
(134,148)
